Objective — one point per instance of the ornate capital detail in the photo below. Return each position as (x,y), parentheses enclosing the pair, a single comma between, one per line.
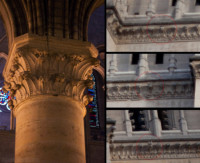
(34,71)
(123,34)
(154,151)
(124,92)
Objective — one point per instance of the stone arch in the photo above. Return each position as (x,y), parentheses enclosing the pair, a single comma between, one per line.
(21,17)
(95,4)
(2,64)
(96,26)
(3,55)
(101,71)
(14,17)
(5,14)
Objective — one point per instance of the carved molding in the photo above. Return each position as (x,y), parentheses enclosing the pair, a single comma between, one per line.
(39,72)
(123,34)
(154,151)
(124,92)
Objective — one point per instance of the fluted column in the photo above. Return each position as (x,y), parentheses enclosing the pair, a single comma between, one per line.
(195,64)
(156,124)
(143,64)
(122,6)
(110,127)
(172,63)
(151,8)
(128,123)
(183,122)
(113,64)
(47,84)
(179,9)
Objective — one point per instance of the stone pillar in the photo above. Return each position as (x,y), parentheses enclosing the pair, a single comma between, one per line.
(151,8)
(183,122)
(195,64)
(172,64)
(47,84)
(128,123)
(156,124)
(110,127)
(143,64)
(179,9)
(113,64)
(122,6)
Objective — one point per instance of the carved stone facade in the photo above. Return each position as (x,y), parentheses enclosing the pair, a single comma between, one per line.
(155,144)
(129,91)
(151,84)
(163,25)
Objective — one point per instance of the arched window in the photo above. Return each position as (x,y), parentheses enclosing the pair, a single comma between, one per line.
(174,2)
(162,114)
(137,118)
(4,98)
(135,58)
(197,2)
(159,58)
(92,106)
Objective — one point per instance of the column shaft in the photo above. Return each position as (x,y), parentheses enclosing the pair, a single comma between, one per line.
(143,64)
(49,129)
(183,122)
(156,124)
(179,10)
(151,8)
(195,64)
(113,64)
(197,93)
(128,124)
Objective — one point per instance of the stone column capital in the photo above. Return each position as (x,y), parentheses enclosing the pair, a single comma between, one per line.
(195,64)
(37,66)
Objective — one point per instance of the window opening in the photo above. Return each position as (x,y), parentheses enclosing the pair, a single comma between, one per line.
(137,118)
(162,114)
(135,58)
(197,2)
(174,2)
(4,98)
(92,106)
(159,58)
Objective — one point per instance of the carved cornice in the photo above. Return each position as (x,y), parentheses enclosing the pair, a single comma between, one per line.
(154,151)
(123,34)
(34,71)
(127,91)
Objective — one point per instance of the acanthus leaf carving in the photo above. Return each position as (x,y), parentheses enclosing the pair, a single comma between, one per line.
(123,34)
(38,72)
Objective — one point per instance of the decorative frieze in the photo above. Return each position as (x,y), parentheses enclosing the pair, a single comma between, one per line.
(154,150)
(124,92)
(162,33)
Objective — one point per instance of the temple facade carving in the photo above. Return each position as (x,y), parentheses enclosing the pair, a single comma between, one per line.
(154,136)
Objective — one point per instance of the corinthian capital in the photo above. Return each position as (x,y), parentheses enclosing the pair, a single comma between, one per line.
(63,68)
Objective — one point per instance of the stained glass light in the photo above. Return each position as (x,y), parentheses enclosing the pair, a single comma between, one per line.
(92,106)
(4,98)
